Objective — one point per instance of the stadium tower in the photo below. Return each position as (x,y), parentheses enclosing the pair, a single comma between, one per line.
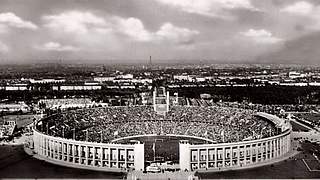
(161,100)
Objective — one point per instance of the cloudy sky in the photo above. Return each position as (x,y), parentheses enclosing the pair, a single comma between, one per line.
(168,30)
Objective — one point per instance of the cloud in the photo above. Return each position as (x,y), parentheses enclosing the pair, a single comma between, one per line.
(135,29)
(75,22)
(179,35)
(261,36)
(3,28)
(55,46)
(299,8)
(213,8)
(11,20)
(132,27)
(92,26)
(3,48)
(308,11)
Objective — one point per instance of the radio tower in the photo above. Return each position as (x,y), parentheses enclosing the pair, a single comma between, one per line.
(150,62)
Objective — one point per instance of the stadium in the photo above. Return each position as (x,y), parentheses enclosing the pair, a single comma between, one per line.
(192,138)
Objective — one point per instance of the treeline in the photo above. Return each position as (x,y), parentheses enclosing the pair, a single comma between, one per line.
(96,95)
(261,95)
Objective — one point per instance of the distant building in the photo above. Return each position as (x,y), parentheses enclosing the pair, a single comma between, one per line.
(103,79)
(46,81)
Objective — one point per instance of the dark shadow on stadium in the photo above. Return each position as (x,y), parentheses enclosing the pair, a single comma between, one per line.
(15,163)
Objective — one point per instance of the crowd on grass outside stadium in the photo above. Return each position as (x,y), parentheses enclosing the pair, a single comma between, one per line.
(7,128)
(64,103)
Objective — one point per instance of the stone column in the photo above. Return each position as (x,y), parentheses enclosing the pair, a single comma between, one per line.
(73,152)
(251,153)
(86,154)
(281,146)
(216,157)
(125,157)
(231,156)
(68,151)
(109,149)
(238,156)
(94,155)
(101,156)
(223,156)
(245,154)
(49,147)
(62,150)
(79,153)
(117,157)
(275,148)
(266,150)
(207,159)
(199,156)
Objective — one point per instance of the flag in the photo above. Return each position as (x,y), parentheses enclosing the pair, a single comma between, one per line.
(74,133)
(116,133)
(66,125)
(222,134)
(154,147)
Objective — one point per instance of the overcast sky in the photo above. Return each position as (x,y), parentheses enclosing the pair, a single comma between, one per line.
(168,30)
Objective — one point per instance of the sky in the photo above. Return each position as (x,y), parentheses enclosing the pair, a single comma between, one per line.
(129,31)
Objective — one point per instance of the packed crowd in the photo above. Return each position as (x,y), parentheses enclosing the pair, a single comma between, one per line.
(221,124)
(7,128)
(276,109)
(64,103)
(14,107)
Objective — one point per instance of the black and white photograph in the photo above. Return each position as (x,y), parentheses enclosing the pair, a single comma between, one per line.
(159,89)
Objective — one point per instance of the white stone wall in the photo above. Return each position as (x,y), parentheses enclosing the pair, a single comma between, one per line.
(98,156)
(232,155)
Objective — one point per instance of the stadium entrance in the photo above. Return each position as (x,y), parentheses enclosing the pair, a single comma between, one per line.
(161,148)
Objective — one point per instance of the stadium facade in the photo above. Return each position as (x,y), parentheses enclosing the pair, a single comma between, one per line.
(120,157)
(233,155)
(88,155)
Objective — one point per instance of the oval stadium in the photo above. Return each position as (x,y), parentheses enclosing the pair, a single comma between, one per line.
(184,138)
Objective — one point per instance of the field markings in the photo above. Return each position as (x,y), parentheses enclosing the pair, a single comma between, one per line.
(309,169)
(305,163)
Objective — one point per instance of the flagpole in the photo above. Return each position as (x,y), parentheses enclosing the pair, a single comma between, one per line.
(154,151)
(87,135)
(101,136)
(74,133)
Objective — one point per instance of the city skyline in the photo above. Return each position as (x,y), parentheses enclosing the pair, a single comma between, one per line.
(237,31)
